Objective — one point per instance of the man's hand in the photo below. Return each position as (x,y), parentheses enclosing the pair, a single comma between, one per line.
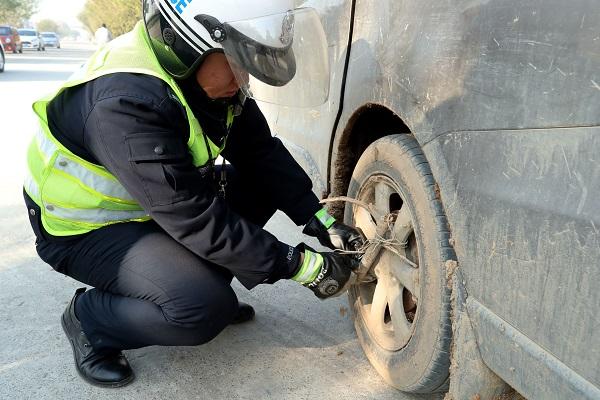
(326,274)
(333,234)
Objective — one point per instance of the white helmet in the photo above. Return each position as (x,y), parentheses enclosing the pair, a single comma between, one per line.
(271,41)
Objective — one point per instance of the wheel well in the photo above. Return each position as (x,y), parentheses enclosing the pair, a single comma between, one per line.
(367,124)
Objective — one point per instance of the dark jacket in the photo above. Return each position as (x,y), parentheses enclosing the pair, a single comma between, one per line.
(118,121)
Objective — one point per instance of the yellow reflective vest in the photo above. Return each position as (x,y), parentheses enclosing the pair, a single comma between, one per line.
(76,196)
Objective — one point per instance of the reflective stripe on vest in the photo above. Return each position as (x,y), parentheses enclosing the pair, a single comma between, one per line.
(76,196)
(106,185)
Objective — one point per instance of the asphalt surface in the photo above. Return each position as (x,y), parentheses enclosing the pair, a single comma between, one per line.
(297,348)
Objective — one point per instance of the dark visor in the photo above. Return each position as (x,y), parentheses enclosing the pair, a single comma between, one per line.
(275,66)
(272,65)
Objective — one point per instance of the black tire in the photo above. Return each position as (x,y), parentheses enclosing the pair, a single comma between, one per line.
(15,50)
(407,336)
(21,49)
(2,61)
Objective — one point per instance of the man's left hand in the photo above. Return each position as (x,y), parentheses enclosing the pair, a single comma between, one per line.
(333,234)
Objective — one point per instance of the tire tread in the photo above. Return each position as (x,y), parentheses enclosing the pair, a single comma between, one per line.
(437,377)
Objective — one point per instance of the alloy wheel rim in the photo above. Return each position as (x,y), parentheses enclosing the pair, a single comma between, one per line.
(389,306)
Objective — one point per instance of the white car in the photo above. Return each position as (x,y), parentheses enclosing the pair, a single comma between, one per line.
(31,39)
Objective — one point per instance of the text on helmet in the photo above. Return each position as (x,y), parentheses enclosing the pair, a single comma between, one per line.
(180,5)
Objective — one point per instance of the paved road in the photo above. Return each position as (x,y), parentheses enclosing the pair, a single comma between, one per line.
(298,347)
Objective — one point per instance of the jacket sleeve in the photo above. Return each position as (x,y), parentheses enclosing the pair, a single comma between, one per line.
(252,149)
(144,144)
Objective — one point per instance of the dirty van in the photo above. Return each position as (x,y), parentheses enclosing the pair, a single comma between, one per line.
(472,127)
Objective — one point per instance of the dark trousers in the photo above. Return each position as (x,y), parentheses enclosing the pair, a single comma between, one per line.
(148,288)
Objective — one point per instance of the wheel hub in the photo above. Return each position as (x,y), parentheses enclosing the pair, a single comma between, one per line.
(389,304)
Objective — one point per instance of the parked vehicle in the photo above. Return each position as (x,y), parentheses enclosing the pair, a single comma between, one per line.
(473,127)
(51,39)
(10,39)
(2,58)
(32,39)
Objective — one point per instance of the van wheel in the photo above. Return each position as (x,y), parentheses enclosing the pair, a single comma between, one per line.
(402,318)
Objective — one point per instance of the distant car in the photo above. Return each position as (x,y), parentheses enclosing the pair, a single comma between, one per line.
(2,58)
(31,39)
(51,39)
(10,38)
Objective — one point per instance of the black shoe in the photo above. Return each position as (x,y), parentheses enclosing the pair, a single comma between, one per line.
(101,368)
(245,313)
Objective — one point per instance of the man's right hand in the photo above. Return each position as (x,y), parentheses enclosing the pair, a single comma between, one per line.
(326,274)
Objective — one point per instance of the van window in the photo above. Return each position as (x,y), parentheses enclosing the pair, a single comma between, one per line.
(4,30)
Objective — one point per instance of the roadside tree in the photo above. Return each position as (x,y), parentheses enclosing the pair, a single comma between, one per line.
(119,15)
(14,12)
(47,25)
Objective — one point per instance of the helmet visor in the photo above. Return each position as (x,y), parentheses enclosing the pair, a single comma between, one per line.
(280,59)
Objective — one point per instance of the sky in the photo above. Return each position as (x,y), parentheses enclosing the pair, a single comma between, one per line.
(60,10)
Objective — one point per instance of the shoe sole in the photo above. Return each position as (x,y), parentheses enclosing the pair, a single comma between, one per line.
(89,380)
